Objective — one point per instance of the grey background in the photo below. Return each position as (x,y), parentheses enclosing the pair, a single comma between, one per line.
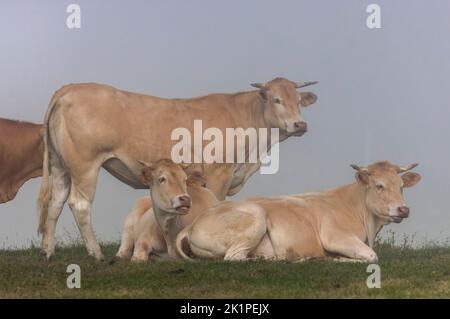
(383,94)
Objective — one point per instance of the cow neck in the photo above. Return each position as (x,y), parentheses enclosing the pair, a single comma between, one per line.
(36,161)
(249,109)
(170,224)
(29,172)
(354,197)
(32,165)
(202,198)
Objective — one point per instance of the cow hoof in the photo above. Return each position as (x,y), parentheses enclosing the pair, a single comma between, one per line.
(114,260)
(373,260)
(98,259)
(136,260)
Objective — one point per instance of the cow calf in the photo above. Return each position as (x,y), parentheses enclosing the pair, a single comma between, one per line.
(152,226)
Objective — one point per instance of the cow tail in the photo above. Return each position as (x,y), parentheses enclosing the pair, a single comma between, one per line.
(182,244)
(46,184)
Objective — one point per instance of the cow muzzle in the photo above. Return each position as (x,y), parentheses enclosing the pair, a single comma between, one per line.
(401,213)
(300,128)
(182,204)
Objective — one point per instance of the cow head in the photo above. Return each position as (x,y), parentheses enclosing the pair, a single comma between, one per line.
(196,177)
(167,183)
(384,189)
(282,105)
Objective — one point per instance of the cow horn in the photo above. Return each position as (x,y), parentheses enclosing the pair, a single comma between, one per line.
(258,85)
(406,168)
(303,84)
(358,168)
(185,165)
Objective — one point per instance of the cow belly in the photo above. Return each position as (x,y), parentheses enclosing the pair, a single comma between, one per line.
(240,176)
(294,239)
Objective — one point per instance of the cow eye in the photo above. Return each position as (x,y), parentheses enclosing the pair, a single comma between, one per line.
(162,179)
(380,187)
(276,100)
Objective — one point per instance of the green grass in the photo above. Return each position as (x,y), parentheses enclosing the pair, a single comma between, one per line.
(405,273)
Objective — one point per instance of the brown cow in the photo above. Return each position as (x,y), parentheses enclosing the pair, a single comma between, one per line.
(21,154)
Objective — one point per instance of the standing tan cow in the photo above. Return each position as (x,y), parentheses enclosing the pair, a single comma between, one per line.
(341,222)
(154,222)
(21,153)
(89,126)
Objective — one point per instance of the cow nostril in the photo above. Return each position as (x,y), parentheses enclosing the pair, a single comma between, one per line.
(301,125)
(404,210)
(185,200)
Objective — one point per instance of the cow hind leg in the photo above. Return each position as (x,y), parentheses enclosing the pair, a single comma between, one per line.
(237,252)
(59,193)
(241,249)
(80,202)
(248,239)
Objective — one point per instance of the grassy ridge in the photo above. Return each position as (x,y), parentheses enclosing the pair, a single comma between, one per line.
(405,273)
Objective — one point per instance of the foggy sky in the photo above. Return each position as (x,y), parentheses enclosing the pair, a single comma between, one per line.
(383,93)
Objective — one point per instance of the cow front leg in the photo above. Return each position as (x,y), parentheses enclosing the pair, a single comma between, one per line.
(347,260)
(351,247)
(142,250)
(127,241)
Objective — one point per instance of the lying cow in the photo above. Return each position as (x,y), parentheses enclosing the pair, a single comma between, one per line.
(21,153)
(153,228)
(341,222)
(90,126)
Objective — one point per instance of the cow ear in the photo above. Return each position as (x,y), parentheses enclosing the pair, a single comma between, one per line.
(147,176)
(193,169)
(307,98)
(263,93)
(195,174)
(362,177)
(262,89)
(410,179)
(147,170)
